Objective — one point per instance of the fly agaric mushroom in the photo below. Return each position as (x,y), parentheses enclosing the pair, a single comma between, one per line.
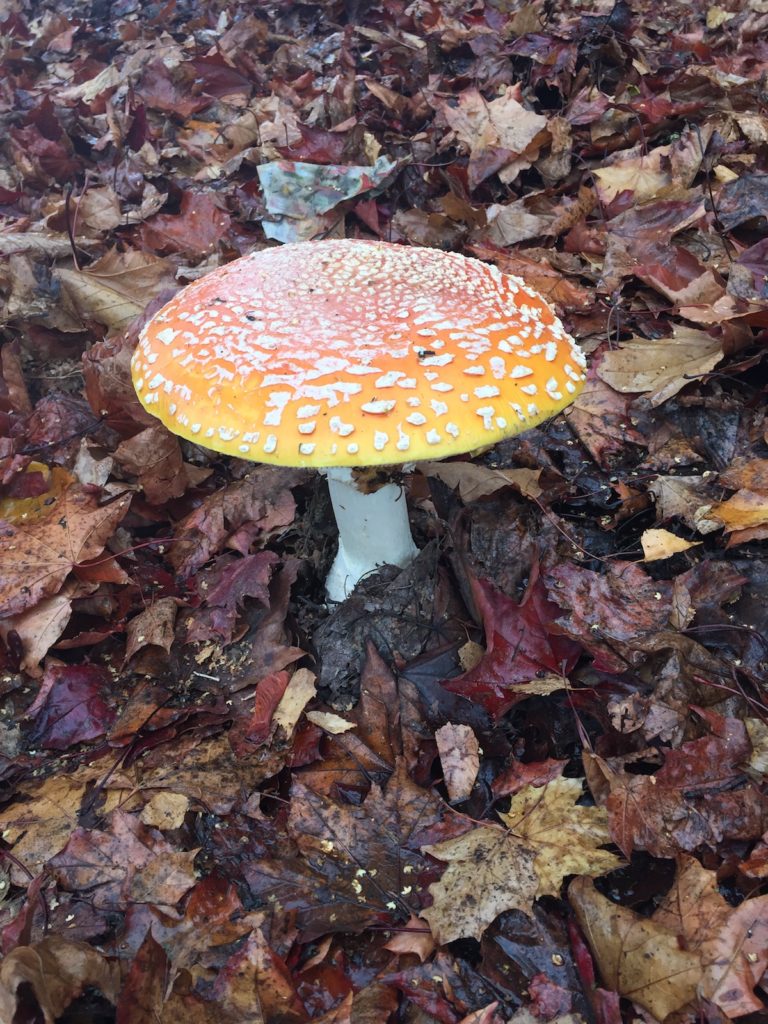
(345,353)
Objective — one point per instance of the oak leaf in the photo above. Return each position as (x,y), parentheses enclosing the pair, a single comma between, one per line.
(36,559)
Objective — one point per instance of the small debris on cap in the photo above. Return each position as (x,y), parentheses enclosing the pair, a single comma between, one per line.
(355,353)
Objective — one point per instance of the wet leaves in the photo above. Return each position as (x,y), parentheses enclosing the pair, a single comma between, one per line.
(224,801)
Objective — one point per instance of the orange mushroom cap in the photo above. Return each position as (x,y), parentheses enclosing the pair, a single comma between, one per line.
(354,353)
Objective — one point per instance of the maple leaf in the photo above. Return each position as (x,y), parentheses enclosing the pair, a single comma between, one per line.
(36,559)
(699,795)
(213,916)
(254,506)
(360,865)
(489,871)
(196,230)
(637,957)
(41,823)
(608,611)
(520,643)
(565,837)
(492,870)
(501,134)
(664,171)
(130,863)
(256,968)
(695,944)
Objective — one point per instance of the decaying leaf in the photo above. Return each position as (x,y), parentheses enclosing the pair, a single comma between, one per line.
(460,759)
(36,559)
(491,870)
(53,972)
(694,944)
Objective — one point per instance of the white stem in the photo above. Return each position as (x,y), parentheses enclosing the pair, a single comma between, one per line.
(373,531)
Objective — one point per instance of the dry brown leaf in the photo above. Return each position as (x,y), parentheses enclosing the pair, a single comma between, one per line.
(745,510)
(154,627)
(542,686)
(510,223)
(164,879)
(40,627)
(41,826)
(658,544)
(460,759)
(115,289)
(661,367)
(475,481)
(35,559)
(695,943)
(165,810)
(662,172)
(41,243)
(154,457)
(501,135)
(746,474)
(93,212)
(413,937)
(683,496)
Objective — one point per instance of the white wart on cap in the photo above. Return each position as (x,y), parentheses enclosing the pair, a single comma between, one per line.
(355,353)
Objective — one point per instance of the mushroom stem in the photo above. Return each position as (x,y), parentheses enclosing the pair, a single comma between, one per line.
(373,531)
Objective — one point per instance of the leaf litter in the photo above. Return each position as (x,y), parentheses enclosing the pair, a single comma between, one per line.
(523,780)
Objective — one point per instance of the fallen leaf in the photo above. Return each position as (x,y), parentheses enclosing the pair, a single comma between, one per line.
(154,627)
(35,559)
(165,810)
(698,796)
(658,544)
(130,862)
(662,367)
(329,722)
(564,836)
(500,134)
(51,974)
(413,937)
(745,510)
(658,173)
(154,457)
(459,754)
(637,958)
(298,693)
(491,870)
(476,481)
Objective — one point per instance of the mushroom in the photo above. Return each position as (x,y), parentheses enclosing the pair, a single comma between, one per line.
(343,354)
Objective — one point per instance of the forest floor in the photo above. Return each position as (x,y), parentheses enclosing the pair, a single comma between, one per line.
(525,780)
